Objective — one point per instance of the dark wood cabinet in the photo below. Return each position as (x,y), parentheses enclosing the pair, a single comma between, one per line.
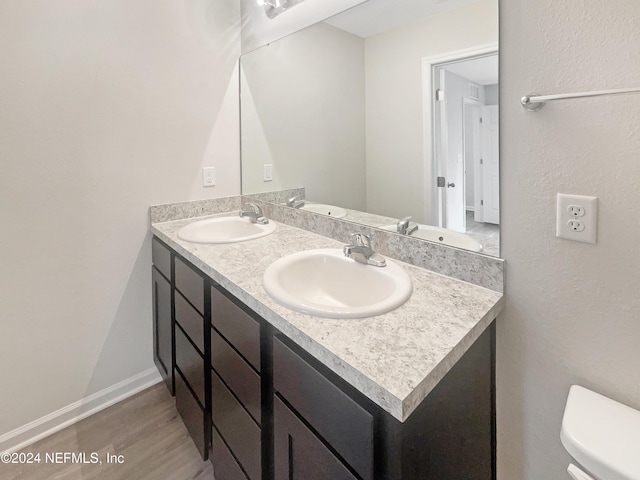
(225,465)
(191,322)
(240,378)
(192,340)
(335,416)
(236,387)
(264,409)
(240,328)
(239,431)
(162,313)
(191,365)
(190,283)
(192,415)
(449,436)
(299,454)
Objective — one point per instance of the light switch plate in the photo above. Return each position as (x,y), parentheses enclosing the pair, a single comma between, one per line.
(577,218)
(268,172)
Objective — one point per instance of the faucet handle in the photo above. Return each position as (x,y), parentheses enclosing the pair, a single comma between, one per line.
(403,224)
(362,239)
(255,208)
(292,200)
(254,213)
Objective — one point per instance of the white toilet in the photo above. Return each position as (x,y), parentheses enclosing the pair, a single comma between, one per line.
(602,435)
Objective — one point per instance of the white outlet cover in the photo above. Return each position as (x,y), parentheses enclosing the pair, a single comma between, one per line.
(589,219)
(208,176)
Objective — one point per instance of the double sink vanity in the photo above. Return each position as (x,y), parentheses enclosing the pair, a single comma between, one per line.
(293,355)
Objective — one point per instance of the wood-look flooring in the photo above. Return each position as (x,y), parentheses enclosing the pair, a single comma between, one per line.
(145,429)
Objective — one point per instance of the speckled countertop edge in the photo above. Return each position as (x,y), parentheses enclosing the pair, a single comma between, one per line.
(394,359)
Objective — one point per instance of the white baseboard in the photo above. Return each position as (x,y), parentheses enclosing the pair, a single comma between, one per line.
(54,422)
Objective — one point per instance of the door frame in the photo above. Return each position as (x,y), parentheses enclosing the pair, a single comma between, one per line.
(489,214)
(431,191)
(476,164)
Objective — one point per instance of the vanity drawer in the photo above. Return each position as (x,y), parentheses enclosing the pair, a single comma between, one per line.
(225,466)
(190,363)
(237,428)
(190,321)
(190,284)
(237,326)
(161,258)
(192,416)
(332,413)
(243,381)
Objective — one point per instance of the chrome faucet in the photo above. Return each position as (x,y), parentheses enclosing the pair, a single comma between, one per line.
(362,252)
(404,226)
(295,202)
(254,213)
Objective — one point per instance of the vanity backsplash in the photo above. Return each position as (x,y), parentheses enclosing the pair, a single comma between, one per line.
(477,269)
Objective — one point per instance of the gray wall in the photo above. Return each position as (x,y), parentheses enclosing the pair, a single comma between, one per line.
(573,310)
(491,94)
(108,106)
(319,145)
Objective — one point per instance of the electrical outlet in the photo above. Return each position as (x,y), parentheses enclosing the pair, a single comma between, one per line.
(208,176)
(575,225)
(575,210)
(576,218)
(268,172)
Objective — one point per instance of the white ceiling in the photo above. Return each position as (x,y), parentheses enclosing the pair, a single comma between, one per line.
(483,70)
(377,16)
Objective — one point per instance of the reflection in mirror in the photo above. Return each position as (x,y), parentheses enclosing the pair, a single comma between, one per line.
(273,8)
(388,110)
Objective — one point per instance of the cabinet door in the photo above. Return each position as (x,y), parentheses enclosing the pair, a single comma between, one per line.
(330,412)
(162,328)
(299,454)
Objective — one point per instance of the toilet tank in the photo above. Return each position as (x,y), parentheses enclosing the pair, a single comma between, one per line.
(602,435)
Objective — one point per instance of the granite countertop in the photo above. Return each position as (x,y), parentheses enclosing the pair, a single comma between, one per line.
(394,359)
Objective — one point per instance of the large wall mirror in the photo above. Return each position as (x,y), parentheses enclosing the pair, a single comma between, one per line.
(386,111)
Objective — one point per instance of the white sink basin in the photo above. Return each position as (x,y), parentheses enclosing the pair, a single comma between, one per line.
(325,283)
(442,235)
(331,210)
(224,230)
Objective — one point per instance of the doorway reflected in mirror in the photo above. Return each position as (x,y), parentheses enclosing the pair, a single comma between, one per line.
(466,153)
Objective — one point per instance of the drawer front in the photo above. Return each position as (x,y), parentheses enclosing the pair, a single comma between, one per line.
(161,257)
(193,416)
(225,466)
(337,418)
(190,284)
(190,363)
(237,428)
(299,454)
(243,381)
(242,331)
(191,321)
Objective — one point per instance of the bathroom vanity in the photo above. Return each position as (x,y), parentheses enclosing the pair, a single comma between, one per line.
(268,393)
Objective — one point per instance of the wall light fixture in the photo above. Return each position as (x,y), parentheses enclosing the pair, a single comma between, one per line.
(273,8)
